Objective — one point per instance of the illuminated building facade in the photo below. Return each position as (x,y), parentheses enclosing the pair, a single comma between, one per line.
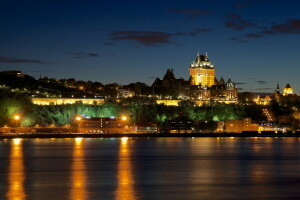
(287,90)
(63,101)
(104,125)
(262,100)
(202,72)
(205,86)
(202,86)
(237,125)
(124,93)
(287,95)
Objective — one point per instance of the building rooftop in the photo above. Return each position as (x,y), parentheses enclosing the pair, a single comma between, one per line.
(202,61)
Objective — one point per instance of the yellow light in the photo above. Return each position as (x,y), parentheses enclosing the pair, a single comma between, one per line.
(78,118)
(124,118)
(17,141)
(17,117)
(124,140)
(78,140)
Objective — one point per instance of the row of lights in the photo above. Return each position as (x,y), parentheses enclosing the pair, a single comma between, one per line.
(267,113)
(78,118)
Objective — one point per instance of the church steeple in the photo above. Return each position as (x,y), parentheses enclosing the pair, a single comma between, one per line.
(277,91)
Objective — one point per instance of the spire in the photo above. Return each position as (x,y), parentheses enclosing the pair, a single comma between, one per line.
(216,81)
(277,91)
(221,81)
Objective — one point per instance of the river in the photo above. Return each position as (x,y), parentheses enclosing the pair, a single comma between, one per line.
(150,169)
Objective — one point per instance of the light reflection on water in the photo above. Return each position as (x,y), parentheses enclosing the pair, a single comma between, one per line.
(146,169)
(16,175)
(78,169)
(125,189)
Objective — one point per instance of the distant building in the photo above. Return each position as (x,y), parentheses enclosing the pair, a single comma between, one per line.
(15,73)
(104,125)
(263,100)
(124,93)
(169,102)
(205,86)
(180,124)
(237,125)
(63,101)
(288,90)
(171,86)
(202,85)
(147,128)
(287,95)
(270,127)
(202,72)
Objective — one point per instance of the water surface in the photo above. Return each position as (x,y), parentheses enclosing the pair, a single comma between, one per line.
(150,169)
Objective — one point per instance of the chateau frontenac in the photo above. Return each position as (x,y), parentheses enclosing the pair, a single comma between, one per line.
(201,86)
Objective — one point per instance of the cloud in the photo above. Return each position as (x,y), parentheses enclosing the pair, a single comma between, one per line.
(146,38)
(192,12)
(237,23)
(237,40)
(261,82)
(154,38)
(254,35)
(84,54)
(259,89)
(6,59)
(195,32)
(291,26)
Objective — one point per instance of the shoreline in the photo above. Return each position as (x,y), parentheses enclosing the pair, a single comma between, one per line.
(148,135)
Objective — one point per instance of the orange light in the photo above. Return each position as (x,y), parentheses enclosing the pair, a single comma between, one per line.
(124,118)
(17,117)
(78,118)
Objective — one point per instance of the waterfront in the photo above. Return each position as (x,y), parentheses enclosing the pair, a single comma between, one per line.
(155,168)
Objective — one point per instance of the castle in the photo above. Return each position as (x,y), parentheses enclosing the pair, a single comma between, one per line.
(201,86)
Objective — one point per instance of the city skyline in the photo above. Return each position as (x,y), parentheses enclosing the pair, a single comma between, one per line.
(254,42)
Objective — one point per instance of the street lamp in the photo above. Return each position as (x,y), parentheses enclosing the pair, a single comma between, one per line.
(78,119)
(124,118)
(17,119)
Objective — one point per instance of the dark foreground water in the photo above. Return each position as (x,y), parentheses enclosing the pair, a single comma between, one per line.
(154,169)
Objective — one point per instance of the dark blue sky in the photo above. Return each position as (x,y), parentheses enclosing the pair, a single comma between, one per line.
(256,43)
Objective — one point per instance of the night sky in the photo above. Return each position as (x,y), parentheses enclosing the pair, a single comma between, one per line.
(256,43)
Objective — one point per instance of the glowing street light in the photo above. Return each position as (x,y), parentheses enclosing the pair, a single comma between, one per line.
(124,118)
(78,118)
(17,119)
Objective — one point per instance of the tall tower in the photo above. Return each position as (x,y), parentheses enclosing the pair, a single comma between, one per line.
(202,72)
(287,90)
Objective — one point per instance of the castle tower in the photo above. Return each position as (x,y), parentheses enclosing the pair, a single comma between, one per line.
(202,72)
(287,90)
